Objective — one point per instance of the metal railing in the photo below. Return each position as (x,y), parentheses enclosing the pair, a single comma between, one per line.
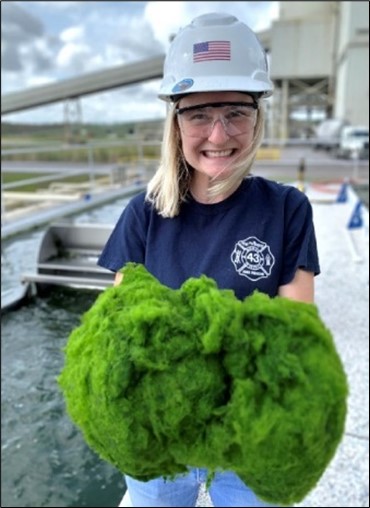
(119,172)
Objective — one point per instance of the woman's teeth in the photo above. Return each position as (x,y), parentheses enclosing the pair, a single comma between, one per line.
(223,153)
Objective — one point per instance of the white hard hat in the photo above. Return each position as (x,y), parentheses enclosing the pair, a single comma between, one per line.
(216,52)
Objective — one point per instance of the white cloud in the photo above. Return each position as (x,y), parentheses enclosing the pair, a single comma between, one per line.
(73,33)
(165,18)
(72,56)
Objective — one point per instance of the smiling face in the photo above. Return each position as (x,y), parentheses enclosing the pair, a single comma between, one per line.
(213,154)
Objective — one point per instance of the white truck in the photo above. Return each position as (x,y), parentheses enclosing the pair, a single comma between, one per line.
(354,142)
(328,134)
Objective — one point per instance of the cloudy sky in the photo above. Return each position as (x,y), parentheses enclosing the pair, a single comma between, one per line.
(45,42)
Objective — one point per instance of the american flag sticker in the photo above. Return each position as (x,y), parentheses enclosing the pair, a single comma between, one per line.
(211,50)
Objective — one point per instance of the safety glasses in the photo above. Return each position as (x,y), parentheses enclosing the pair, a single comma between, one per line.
(199,120)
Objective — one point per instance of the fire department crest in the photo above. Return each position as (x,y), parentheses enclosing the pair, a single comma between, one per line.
(252,258)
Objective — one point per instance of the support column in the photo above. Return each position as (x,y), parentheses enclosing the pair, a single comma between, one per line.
(72,120)
(284,133)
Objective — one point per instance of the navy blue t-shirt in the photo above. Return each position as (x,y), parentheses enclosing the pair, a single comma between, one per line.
(255,239)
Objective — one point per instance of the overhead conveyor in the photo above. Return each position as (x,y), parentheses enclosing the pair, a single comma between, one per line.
(85,84)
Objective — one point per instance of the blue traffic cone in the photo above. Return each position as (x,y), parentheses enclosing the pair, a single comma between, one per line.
(356,217)
(342,196)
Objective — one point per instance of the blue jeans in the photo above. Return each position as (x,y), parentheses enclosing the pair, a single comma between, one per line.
(226,489)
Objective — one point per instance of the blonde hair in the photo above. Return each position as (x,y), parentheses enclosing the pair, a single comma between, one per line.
(169,186)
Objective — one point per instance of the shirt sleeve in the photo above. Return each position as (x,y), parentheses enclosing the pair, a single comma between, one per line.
(300,240)
(127,240)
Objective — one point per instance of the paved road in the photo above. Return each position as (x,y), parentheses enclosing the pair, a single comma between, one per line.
(318,166)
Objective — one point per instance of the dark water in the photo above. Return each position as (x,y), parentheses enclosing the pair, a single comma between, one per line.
(45,461)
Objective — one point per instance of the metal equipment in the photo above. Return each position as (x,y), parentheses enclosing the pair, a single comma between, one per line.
(68,256)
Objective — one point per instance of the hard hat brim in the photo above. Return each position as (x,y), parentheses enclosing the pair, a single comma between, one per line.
(216,84)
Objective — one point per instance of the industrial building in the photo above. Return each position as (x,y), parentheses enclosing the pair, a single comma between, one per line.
(319,57)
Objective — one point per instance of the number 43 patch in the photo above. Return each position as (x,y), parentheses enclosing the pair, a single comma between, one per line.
(252,258)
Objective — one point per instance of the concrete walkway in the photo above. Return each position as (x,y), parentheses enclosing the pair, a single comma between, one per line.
(342,296)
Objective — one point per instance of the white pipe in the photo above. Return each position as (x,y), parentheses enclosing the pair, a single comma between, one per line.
(39,196)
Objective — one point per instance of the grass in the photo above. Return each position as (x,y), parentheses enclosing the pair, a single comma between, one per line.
(18,177)
(100,155)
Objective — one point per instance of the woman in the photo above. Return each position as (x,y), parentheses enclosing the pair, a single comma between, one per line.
(203,212)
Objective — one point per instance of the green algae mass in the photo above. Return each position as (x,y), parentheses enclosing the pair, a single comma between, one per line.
(160,379)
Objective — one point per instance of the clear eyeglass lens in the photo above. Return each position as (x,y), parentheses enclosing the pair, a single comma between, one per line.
(200,122)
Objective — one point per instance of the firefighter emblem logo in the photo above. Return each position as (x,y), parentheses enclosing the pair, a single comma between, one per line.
(252,259)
